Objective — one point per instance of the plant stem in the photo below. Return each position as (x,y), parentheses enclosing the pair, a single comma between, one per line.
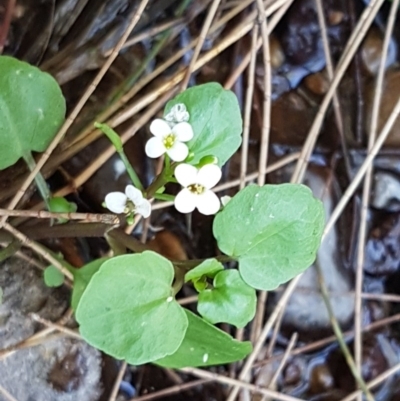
(131,172)
(164,178)
(40,181)
(164,197)
(339,335)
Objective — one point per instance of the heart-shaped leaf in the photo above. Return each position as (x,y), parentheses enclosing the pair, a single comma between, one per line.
(231,300)
(274,231)
(216,120)
(205,345)
(128,309)
(32,108)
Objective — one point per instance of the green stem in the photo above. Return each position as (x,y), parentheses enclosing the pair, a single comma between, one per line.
(164,197)
(117,143)
(39,179)
(163,179)
(131,172)
(179,280)
(339,335)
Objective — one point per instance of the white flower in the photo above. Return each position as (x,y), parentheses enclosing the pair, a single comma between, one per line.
(177,114)
(196,192)
(130,201)
(169,140)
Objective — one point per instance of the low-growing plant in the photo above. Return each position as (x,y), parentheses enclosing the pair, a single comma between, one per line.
(126,305)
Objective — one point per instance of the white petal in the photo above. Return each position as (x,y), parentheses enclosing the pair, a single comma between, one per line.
(183,131)
(209,175)
(186,174)
(144,208)
(178,152)
(208,203)
(116,202)
(154,147)
(134,194)
(185,201)
(160,128)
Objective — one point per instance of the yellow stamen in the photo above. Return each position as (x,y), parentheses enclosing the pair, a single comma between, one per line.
(169,141)
(196,189)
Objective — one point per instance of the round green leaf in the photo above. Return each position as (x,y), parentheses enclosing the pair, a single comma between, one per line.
(32,108)
(128,310)
(209,268)
(216,120)
(82,277)
(231,300)
(205,345)
(53,277)
(274,231)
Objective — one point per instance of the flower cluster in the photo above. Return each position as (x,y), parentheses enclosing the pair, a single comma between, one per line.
(170,135)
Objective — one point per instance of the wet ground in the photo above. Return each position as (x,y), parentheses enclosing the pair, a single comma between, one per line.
(71,39)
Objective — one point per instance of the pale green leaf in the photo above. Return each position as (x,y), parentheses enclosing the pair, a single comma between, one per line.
(205,345)
(128,310)
(53,277)
(32,108)
(273,231)
(230,301)
(216,120)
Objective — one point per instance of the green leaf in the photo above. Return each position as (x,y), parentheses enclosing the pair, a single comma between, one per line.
(205,345)
(128,310)
(209,268)
(274,231)
(32,108)
(216,120)
(231,300)
(82,277)
(1,295)
(53,277)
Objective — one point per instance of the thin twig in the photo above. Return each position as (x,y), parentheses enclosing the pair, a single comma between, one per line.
(171,390)
(367,190)
(246,60)
(117,383)
(202,37)
(43,214)
(285,357)
(354,41)
(248,107)
(56,326)
(39,250)
(340,338)
(6,394)
(331,339)
(373,383)
(329,69)
(240,384)
(362,170)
